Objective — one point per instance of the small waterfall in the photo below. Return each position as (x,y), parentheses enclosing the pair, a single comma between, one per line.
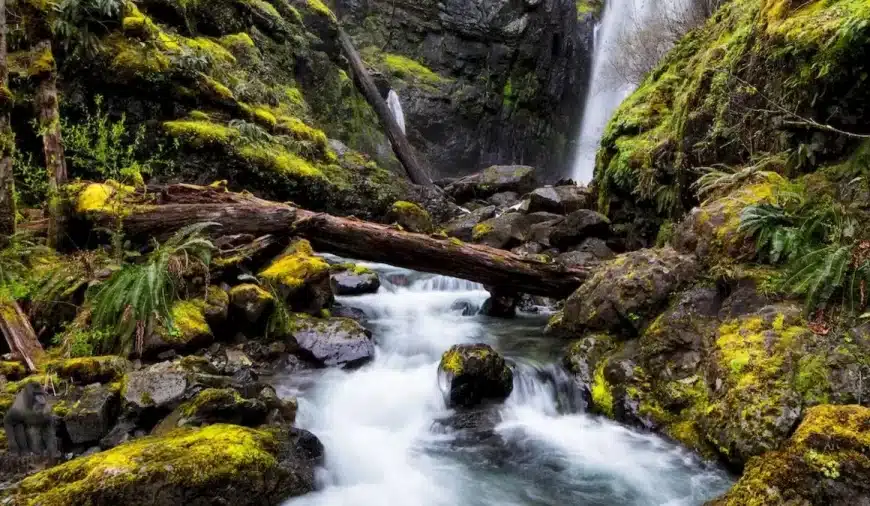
(396,108)
(604,95)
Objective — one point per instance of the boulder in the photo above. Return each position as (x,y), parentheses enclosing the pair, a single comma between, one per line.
(824,462)
(411,217)
(597,247)
(156,386)
(218,464)
(93,415)
(281,411)
(354,313)
(463,226)
(192,322)
(331,341)
(87,370)
(504,199)
(527,249)
(464,307)
(251,303)
(625,293)
(355,281)
(475,373)
(577,259)
(496,179)
(560,199)
(577,226)
(500,304)
(215,405)
(541,232)
(501,232)
(301,278)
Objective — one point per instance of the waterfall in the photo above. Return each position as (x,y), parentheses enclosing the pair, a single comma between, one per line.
(390,440)
(396,108)
(604,95)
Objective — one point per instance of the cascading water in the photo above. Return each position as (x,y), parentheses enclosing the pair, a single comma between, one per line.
(604,95)
(389,440)
(395,106)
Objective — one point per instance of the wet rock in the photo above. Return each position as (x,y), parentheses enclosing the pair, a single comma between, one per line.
(355,281)
(156,386)
(301,277)
(504,199)
(583,357)
(596,247)
(528,249)
(476,373)
(462,227)
(625,293)
(93,415)
(122,432)
(354,313)
(560,199)
(578,226)
(435,202)
(536,304)
(824,462)
(218,464)
(411,217)
(500,304)
(251,302)
(332,341)
(464,307)
(281,411)
(495,179)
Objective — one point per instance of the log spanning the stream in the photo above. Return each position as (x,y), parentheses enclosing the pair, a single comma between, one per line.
(181,205)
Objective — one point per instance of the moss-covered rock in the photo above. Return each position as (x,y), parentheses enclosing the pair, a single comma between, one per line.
(475,373)
(87,370)
(624,295)
(252,302)
(354,280)
(329,341)
(12,371)
(411,217)
(824,462)
(187,466)
(92,415)
(301,277)
(215,405)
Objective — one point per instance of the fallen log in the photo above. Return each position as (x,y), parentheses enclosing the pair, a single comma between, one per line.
(19,334)
(178,205)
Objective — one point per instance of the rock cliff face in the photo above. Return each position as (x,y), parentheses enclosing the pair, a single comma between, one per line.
(482,82)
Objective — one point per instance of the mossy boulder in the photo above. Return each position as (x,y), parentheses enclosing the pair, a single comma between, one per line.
(582,358)
(503,232)
(496,179)
(462,227)
(216,464)
(215,405)
(93,415)
(354,280)
(625,293)
(12,371)
(475,373)
(87,370)
(330,341)
(301,277)
(825,462)
(251,302)
(411,217)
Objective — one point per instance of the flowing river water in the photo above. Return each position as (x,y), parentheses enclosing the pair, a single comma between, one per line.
(391,441)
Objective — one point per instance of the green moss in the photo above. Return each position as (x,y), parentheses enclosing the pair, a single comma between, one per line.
(218,89)
(201,133)
(237,40)
(602,395)
(210,397)
(277,158)
(249,292)
(296,128)
(296,266)
(319,7)
(89,370)
(211,458)
(102,197)
(406,68)
(481,230)
(41,379)
(12,370)
(188,321)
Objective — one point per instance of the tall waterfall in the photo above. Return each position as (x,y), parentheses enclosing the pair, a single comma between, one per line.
(396,108)
(604,95)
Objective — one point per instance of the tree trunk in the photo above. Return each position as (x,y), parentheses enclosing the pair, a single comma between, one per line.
(417,173)
(52,142)
(180,205)
(7,141)
(19,334)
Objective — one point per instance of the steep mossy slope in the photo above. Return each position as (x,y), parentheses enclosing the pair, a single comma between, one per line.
(760,84)
(243,90)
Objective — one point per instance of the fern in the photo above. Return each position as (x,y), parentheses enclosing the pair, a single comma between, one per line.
(139,296)
(79,23)
(819,274)
(721,179)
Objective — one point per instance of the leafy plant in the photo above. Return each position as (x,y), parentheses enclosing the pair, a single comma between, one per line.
(139,296)
(31,180)
(819,241)
(14,264)
(79,23)
(722,179)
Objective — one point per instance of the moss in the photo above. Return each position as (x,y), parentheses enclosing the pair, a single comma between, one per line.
(89,370)
(277,158)
(102,197)
(188,321)
(264,116)
(192,460)
(140,60)
(406,68)
(41,379)
(299,130)
(210,397)
(359,270)
(481,230)
(237,40)
(218,89)
(602,394)
(296,266)
(452,361)
(12,370)
(201,133)
(249,292)
(319,7)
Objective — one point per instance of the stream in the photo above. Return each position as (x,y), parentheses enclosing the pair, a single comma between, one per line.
(391,441)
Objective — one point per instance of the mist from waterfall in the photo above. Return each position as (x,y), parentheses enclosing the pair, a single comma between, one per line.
(395,107)
(606,91)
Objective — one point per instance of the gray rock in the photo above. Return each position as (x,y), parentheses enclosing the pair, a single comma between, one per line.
(560,199)
(495,179)
(476,373)
(576,259)
(500,304)
(503,232)
(577,226)
(597,247)
(354,313)
(250,302)
(155,387)
(332,341)
(93,415)
(352,283)
(462,227)
(465,307)
(541,232)
(504,199)
(528,249)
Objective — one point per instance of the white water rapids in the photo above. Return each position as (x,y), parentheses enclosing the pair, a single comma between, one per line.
(387,443)
(395,106)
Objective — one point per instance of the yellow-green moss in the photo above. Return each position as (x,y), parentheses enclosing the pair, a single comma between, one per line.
(41,379)
(211,397)
(217,456)
(218,89)
(264,116)
(481,230)
(297,266)
(280,160)
(319,7)
(298,129)
(12,370)
(237,40)
(102,197)
(188,319)
(406,68)
(602,394)
(89,370)
(200,133)
(141,61)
